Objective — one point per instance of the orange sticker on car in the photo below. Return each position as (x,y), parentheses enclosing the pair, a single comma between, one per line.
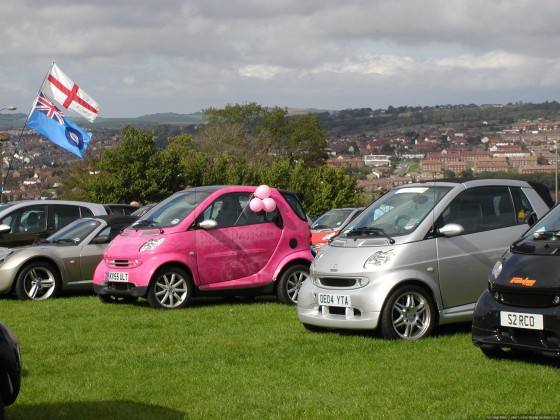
(523,281)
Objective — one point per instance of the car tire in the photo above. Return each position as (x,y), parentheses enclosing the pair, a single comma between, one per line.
(290,282)
(171,288)
(408,314)
(37,281)
(110,299)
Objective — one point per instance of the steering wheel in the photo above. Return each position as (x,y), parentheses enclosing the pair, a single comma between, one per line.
(399,219)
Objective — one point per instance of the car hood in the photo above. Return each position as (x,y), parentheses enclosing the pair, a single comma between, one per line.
(45,245)
(531,266)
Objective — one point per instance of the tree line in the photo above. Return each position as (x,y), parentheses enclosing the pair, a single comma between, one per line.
(240,145)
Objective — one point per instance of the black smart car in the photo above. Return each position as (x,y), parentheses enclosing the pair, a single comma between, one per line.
(520,311)
(10,368)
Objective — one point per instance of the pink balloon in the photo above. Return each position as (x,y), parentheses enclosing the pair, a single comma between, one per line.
(262,191)
(256,205)
(269,204)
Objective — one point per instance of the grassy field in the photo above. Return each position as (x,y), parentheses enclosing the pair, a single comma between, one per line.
(217,359)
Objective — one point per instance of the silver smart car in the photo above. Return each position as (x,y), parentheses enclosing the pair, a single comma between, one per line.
(417,257)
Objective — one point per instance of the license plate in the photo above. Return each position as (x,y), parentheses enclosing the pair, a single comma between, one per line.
(333,300)
(117,276)
(521,320)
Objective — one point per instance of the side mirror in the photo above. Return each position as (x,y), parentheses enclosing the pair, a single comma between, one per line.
(104,239)
(530,219)
(451,229)
(5,228)
(208,224)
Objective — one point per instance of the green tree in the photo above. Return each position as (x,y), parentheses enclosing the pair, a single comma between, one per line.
(136,169)
(262,133)
(133,170)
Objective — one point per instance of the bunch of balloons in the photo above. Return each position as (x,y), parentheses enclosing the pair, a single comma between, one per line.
(262,200)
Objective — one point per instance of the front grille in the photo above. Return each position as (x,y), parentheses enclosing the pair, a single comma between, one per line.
(337,310)
(120,263)
(120,286)
(529,300)
(342,282)
(546,339)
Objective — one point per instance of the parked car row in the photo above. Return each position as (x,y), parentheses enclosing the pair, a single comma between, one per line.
(422,255)
(416,258)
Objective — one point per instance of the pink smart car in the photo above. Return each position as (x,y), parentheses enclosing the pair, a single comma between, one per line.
(222,240)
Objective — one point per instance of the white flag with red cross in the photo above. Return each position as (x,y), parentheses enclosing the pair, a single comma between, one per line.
(63,90)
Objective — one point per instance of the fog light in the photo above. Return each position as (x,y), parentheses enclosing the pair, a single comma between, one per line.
(497,296)
(556,300)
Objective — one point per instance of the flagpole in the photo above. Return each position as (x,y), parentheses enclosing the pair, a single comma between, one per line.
(20,136)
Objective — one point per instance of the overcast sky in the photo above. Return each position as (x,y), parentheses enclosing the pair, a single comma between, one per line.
(142,57)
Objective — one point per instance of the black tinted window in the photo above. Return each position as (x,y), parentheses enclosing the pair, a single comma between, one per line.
(65,214)
(294,204)
(486,208)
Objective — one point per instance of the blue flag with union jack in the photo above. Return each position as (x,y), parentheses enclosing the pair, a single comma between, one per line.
(48,120)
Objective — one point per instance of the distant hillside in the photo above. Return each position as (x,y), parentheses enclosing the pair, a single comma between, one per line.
(17,121)
(345,121)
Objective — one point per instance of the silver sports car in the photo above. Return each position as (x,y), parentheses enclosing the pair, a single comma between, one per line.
(63,262)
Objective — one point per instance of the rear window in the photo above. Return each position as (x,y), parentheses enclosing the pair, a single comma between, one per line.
(294,203)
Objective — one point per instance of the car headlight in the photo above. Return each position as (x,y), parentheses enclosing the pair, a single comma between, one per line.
(151,244)
(497,269)
(379,258)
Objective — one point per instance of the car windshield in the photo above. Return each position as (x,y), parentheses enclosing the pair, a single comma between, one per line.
(75,232)
(332,219)
(549,223)
(396,213)
(173,210)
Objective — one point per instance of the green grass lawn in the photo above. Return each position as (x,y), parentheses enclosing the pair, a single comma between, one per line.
(83,359)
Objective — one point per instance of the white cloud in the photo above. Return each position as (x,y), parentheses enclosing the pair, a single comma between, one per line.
(183,56)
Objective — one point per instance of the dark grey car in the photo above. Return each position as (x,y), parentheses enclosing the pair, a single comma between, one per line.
(64,261)
(22,222)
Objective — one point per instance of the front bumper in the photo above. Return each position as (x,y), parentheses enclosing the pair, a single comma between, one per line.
(362,314)
(120,289)
(487,331)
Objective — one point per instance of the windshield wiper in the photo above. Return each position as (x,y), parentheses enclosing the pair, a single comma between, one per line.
(546,234)
(65,240)
(146,223)
(370,231)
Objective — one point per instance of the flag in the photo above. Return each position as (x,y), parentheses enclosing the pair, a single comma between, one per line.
(59,87)
(47,119)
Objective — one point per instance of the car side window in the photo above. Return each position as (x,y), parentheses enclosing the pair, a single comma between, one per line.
(483,208)
(65,214)
(228,210)
(233,209)
(522,205)
(85,212)
(112,231)
(27,219)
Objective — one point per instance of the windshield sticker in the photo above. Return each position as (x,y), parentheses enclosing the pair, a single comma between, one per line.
(418,190)
(174,221)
